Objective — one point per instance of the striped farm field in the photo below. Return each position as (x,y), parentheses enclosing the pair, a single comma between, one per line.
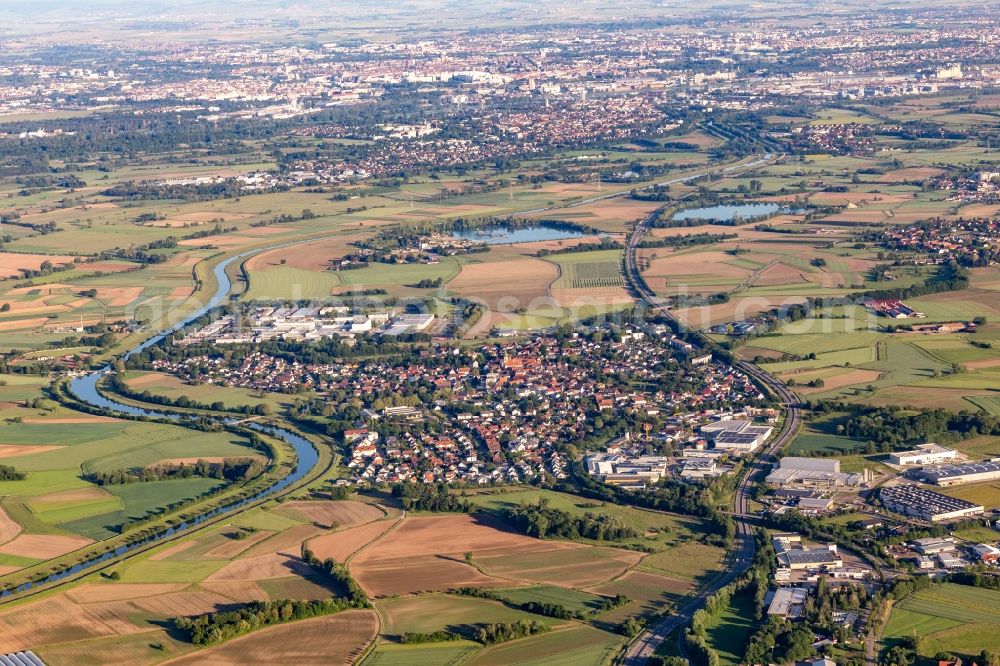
(589,270)
(933,612)
(335,639)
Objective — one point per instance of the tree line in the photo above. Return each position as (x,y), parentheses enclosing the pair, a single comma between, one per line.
(232,470)
(543,522)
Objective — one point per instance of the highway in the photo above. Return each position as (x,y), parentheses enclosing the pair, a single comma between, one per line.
(741,555)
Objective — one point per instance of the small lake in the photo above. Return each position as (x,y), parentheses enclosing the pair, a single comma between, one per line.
(728,212)
(504,235)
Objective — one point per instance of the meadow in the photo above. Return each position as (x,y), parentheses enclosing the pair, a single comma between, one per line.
(947,617)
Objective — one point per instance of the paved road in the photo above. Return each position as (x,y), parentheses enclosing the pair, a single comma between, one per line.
(741,555)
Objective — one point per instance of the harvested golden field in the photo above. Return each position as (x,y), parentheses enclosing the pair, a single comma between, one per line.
(43,546)
(234,547)
(648,593)
(532,248)
(171,550)
(735,310)
(23,323)
(979,210)
(573,567)
(91,593)
(261,567)
(859,216)
(59,620)
(75,495)
(342,544)
(592,300)
(335,639)
(312,256)
(778,274)
(17,450)
(909,174)
(198,218)
(242,591)
(8,528)
(343,513)
(833,378)
(108,266)
(118,296)
(288,541)
(382,577)
(858,198)
(11,263)
(426,554)
(676,266)
(506,286)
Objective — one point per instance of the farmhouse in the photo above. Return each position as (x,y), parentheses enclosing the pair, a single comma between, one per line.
(894,309)
(926,504)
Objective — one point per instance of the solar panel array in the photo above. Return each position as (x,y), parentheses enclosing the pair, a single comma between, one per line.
(27,658)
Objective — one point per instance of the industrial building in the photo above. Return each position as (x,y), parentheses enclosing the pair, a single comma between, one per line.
(816,473)
(933,545)
(793,555)
(925,454)
(737,436)
(702,468)
(954,475)
(787,602)
(619,469)
(926,504)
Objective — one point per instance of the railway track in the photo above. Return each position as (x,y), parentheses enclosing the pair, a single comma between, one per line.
(740,556)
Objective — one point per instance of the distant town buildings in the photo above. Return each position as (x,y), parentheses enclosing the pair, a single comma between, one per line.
(306,323)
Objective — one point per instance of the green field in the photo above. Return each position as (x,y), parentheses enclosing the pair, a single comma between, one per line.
(691,561)
(430,654)
(819,436)
(728,634)
(658,530)
(572,600)
(284,282)
(947,617)
(578,645)
(162,384)
(445,612)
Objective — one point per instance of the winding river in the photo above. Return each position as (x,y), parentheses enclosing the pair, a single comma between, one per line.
(84,388)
